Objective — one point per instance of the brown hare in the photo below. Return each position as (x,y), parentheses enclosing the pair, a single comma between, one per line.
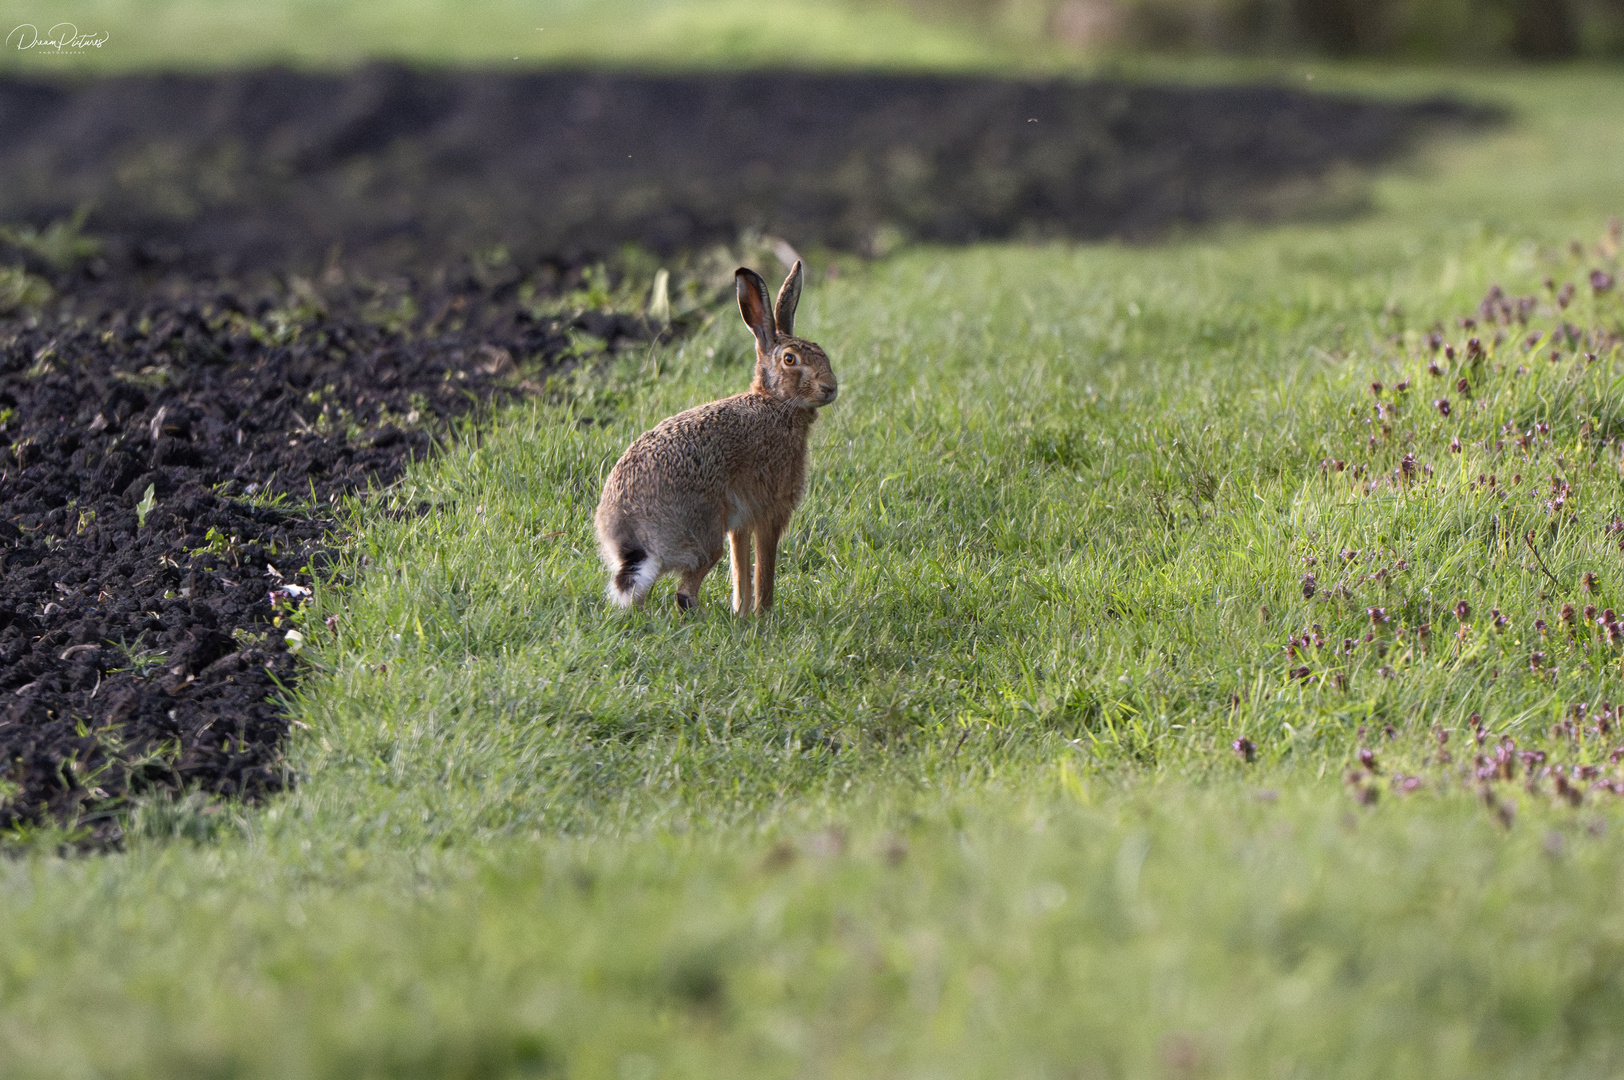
(721,472)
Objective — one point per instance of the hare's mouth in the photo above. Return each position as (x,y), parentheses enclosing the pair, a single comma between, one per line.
(828,395)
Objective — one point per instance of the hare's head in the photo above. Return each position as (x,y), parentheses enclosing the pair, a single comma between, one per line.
(789,368)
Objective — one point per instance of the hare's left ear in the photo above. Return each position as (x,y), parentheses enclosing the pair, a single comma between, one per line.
(789,295)
(753,306)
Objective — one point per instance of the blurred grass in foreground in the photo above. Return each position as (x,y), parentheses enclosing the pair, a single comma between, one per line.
(1158,931)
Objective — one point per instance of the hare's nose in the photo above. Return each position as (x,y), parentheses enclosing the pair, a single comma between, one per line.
(830,392)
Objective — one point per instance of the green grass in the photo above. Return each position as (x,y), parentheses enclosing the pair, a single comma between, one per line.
(1002,937)
(964,805)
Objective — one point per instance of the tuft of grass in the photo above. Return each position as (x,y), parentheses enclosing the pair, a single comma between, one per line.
(149,499)
(20,290)
(61,244)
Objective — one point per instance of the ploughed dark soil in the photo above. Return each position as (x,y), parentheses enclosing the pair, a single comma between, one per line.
(227,173)
(137,653)
(293,284)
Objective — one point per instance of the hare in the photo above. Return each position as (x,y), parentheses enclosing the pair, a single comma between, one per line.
(728,470)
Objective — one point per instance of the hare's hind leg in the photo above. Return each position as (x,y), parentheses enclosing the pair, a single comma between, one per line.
(688,591)
(744,594)
(699,539)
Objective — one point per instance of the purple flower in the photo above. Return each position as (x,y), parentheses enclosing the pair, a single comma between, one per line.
(1567,791)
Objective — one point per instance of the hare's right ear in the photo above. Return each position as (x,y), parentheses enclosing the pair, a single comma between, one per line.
(753,306)
(789,296)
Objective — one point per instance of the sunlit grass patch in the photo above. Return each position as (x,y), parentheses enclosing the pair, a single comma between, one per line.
(1096,515)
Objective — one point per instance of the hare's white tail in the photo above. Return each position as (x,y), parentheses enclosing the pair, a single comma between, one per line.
(634,577)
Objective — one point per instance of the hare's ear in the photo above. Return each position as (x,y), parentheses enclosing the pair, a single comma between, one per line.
(789,295)
(753,306)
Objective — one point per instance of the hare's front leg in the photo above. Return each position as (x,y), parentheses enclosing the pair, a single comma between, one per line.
(744,599)
(766,563)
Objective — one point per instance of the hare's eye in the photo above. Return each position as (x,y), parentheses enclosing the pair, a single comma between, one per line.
(790,359)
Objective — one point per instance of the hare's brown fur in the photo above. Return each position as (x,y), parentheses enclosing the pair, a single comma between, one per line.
(722,473)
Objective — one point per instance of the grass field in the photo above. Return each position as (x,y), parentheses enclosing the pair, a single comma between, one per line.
(966,804)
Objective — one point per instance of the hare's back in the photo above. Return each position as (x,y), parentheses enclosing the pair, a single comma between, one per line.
(695,450)
(732,428)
